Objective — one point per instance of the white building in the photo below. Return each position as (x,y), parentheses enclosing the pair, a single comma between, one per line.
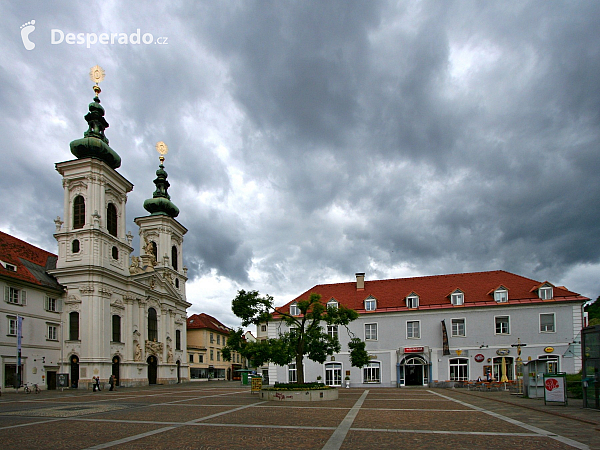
(402,321)
(122,315)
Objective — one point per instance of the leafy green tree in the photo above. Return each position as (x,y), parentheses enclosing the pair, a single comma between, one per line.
(304,336)
(593,311)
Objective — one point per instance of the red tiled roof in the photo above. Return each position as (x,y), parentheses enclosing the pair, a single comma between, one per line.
(200,321)
(478,289)
(31,262)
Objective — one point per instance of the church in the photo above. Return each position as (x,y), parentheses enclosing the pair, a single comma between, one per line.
(114,313)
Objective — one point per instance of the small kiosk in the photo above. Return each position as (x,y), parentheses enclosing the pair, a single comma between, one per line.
(245,378)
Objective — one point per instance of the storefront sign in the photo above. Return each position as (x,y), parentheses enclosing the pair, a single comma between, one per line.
(503,351)
(414,349)
(549,349)
(479,357)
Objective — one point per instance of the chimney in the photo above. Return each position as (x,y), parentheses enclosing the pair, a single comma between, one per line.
(360,281)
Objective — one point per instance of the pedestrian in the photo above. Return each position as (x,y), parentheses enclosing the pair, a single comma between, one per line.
(111,381)
(98,384)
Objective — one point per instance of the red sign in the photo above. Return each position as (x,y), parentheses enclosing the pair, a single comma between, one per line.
(414,349)
(479,357)
(551,384)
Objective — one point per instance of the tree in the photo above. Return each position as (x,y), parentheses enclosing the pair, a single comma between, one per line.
(593,310)
(304,337)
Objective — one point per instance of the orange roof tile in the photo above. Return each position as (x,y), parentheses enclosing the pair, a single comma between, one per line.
(201,321)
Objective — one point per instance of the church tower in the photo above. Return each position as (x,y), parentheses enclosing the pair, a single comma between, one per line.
(123,315)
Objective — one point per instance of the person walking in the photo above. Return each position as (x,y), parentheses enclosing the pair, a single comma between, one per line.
(111,381)
(98,384)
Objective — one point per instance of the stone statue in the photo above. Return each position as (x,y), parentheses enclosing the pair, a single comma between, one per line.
(138,352)
(169,354)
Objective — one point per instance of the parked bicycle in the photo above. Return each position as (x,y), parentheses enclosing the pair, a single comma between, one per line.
(34,388)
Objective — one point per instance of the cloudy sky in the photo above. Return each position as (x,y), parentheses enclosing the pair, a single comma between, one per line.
(310,140)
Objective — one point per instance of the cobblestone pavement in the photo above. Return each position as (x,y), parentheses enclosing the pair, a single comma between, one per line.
(219,415)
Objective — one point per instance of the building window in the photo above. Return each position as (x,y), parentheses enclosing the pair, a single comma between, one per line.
(292,375)
(371,331)
(75,247)
(551,363)
(547,323)
(116,328)
(212,354)
(152,325)
(413,329)
(218,355)
(15,296)
(457,298)
(52,333)
(78,212)
(502,325)
(458,327)
(224,340)
(111,219)
(333,374)
(219,339)
(174,257)
(332,330)
(74,326)
(372,373)
(412,301)
(200,358)
(177,283)
(115,253)
(332,304)
(212,338)
(294,310)
(370,304)
(263,328)
(545,292)
(191,358)
(52,304)
(177,339)
(154,249)
(12,326)
(501,296)
(459,369)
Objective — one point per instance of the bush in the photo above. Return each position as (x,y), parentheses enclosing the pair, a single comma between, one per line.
(574,388)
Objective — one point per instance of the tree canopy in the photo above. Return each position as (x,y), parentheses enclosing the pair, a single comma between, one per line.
(593,310)
(304,335)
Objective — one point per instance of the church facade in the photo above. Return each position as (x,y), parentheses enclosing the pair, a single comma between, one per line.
(120,314)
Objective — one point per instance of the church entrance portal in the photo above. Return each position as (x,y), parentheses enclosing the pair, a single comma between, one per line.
(74,371)
(152,369)
(115,369)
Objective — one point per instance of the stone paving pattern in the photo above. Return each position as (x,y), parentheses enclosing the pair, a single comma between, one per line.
(215,415)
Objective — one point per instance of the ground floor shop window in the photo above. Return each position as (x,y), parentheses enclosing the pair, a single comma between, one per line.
(196,373)
(372,373)
(333,374)
(459,369)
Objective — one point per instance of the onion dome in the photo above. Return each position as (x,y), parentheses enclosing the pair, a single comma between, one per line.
(94,143)
(160,203)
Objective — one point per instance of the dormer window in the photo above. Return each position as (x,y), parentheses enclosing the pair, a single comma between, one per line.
(332,304)
(457,298)
(412,301)
(370,304)
(545,292)
(294,310)
(501,295)
(10,267)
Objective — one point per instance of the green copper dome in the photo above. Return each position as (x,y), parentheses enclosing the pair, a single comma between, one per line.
(160,203)
(94,143)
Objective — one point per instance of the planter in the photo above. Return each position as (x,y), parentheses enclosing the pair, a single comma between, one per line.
(304,395)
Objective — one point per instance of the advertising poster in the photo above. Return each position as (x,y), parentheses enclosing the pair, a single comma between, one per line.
(555,388)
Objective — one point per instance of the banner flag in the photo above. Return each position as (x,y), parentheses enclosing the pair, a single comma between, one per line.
(445,345)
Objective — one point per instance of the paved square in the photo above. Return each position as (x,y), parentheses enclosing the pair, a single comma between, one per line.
(227,416)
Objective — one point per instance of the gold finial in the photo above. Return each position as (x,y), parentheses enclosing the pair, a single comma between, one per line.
(162,148)
(97,75)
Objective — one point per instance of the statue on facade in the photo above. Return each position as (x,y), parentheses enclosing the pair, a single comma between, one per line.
(138,352)
(169,354)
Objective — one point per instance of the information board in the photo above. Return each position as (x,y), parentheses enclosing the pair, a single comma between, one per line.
(555,388)
(62,380)
(256,384)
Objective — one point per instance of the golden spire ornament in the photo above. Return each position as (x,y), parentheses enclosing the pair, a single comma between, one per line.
(162,149)
(97,75)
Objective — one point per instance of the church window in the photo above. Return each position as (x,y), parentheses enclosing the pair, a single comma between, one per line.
(111,219)
(152,325)
(174,257)
(78,212)
(177,283)
(177,339)
(74,326)
(116,328)
(154,250)
(115,253)
(75,246)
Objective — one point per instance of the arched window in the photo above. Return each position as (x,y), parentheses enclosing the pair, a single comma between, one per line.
(174,257)
(111,219)
(78,212)
(74,326)
(152,325)
(75,246)
(154,250)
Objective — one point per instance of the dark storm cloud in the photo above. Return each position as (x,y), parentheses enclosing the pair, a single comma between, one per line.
(312,140)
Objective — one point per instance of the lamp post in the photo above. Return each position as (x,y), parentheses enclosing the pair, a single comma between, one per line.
(519,366)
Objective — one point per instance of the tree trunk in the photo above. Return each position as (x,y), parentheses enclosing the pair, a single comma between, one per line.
(299,368)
